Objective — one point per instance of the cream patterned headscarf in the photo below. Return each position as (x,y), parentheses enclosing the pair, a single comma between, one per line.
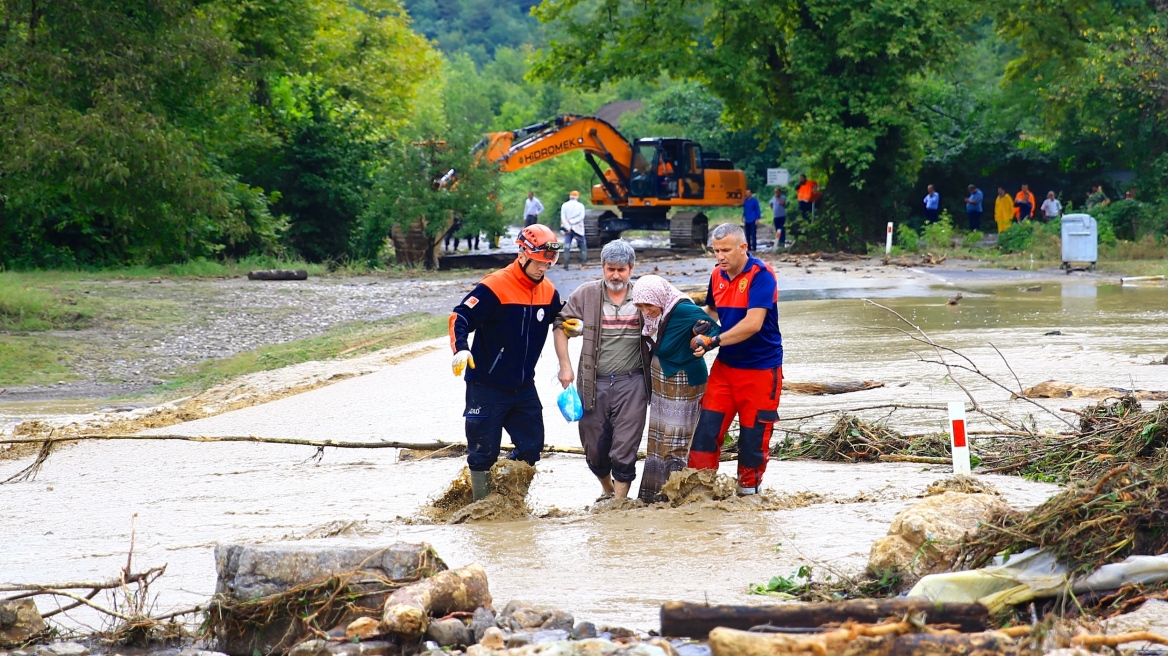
(655,290)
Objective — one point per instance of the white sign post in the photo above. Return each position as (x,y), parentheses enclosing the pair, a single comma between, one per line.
(957,435)
(778,177)
(888,240)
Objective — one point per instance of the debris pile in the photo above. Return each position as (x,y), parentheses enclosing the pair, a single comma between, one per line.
(1091,524)
(852,439)
(706,488)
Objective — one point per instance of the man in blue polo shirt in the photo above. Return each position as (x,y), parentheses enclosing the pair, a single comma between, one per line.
(747,377)
(751,213)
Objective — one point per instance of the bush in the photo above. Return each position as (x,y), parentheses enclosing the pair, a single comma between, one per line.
(907,238)
(1017,238)
(972,239)
(939,234)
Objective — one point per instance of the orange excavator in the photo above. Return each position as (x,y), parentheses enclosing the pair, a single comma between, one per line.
(644,180)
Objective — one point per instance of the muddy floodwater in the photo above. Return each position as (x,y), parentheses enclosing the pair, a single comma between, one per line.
(73,521)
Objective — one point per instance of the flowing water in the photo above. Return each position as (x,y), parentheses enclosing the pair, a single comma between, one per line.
(73,521)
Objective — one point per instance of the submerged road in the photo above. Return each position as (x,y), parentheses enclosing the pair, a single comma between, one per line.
(73,521)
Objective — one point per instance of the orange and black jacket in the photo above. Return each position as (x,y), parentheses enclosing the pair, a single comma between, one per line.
(510,315)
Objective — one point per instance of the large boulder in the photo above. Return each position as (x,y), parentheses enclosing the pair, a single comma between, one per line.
(251,572)
(923,538)
(19,621)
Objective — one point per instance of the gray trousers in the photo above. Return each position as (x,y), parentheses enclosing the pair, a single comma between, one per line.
(611,432)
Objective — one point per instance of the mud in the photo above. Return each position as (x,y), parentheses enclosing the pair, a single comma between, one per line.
(961,483)
(510,480)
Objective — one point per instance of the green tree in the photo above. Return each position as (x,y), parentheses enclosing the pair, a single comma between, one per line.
(835,79)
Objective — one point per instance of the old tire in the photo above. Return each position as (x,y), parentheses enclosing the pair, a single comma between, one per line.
(688,230)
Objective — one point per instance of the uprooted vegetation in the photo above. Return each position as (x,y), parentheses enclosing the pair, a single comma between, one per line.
(1108,433)
(1091,524)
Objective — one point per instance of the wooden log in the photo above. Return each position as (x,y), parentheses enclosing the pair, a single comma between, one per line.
(685,620)
(842,387)
(278,274)
(854,641)
(408,610)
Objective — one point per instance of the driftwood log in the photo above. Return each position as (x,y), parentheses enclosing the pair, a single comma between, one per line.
(278,274)
(684,620)
(1054,389)
(408,610)
(880,640)
(843,387)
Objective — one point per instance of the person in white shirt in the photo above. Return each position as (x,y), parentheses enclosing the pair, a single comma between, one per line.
(1051,208)
(572,223)
(532,208)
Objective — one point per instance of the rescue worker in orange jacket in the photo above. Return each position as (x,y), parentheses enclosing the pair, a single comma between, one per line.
(1024,204)
(807,192)
(509,312)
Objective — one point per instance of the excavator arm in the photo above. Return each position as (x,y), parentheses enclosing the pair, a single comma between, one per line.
(518,149)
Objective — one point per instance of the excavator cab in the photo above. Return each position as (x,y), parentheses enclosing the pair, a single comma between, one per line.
(666,169)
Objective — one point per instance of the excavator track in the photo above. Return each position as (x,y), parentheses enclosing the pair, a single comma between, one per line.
(688,230)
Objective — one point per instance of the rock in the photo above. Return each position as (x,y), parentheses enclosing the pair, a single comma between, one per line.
(584,631)
(693,649)
(327,648)
(619,633)
(310,648)
(362,628)
(19,621)
(199,652)
(923,538)
(1151,616)
(63,649)
(527,618)
(251,571)
(553,635)
(493,638)
(559,621)
(450,633)
(520,639)
(483,619)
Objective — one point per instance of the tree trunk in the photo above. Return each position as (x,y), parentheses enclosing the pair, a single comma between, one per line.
(729,642)
(407,611)
(679,619)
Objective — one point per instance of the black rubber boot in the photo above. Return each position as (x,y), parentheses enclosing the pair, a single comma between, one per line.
(480,484)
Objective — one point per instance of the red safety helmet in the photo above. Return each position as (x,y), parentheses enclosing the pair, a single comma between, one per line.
(539,243)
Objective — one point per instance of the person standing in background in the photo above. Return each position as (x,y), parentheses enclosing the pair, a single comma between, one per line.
(1051,207)
(572,223)
(532,208)
(751,213)
(973,207)
(932,205)
(1003,210)
(779,212)
(1024,204)
(807,191)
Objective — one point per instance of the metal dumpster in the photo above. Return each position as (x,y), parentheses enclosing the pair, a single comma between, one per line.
(1080,241)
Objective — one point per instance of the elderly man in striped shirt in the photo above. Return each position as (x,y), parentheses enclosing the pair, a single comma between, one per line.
(613,376)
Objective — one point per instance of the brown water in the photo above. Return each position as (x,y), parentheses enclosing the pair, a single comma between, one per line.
(73,521)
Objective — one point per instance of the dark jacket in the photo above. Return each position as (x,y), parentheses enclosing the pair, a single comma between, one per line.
(510,316)
(673,337)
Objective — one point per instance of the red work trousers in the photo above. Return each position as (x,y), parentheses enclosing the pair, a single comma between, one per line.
(752,395)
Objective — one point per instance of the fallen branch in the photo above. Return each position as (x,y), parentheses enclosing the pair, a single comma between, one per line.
(1118,639)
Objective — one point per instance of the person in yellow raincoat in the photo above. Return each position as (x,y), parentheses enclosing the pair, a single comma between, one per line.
(1003,210)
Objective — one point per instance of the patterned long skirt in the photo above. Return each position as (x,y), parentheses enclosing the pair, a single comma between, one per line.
(673,414)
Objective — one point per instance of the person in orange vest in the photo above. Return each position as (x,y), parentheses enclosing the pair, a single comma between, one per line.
(1024,204)
(807,192)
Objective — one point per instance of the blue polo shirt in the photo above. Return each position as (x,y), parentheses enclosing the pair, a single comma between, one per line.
(751,212)
(756,287)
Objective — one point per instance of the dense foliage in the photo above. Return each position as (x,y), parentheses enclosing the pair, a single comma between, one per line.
(160,131)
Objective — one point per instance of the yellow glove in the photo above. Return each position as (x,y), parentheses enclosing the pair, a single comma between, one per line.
(573,327)
(461,359)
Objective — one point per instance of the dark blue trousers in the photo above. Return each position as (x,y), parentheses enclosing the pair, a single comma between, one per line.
(490,410)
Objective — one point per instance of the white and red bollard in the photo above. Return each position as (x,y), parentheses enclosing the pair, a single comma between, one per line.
(958,442)
(888,240)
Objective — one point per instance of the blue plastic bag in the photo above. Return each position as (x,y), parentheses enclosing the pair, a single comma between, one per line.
(571,406)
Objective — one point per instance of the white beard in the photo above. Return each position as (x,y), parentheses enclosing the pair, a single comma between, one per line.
(615,285)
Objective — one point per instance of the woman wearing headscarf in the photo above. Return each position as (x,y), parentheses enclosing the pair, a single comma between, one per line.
(670,320)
